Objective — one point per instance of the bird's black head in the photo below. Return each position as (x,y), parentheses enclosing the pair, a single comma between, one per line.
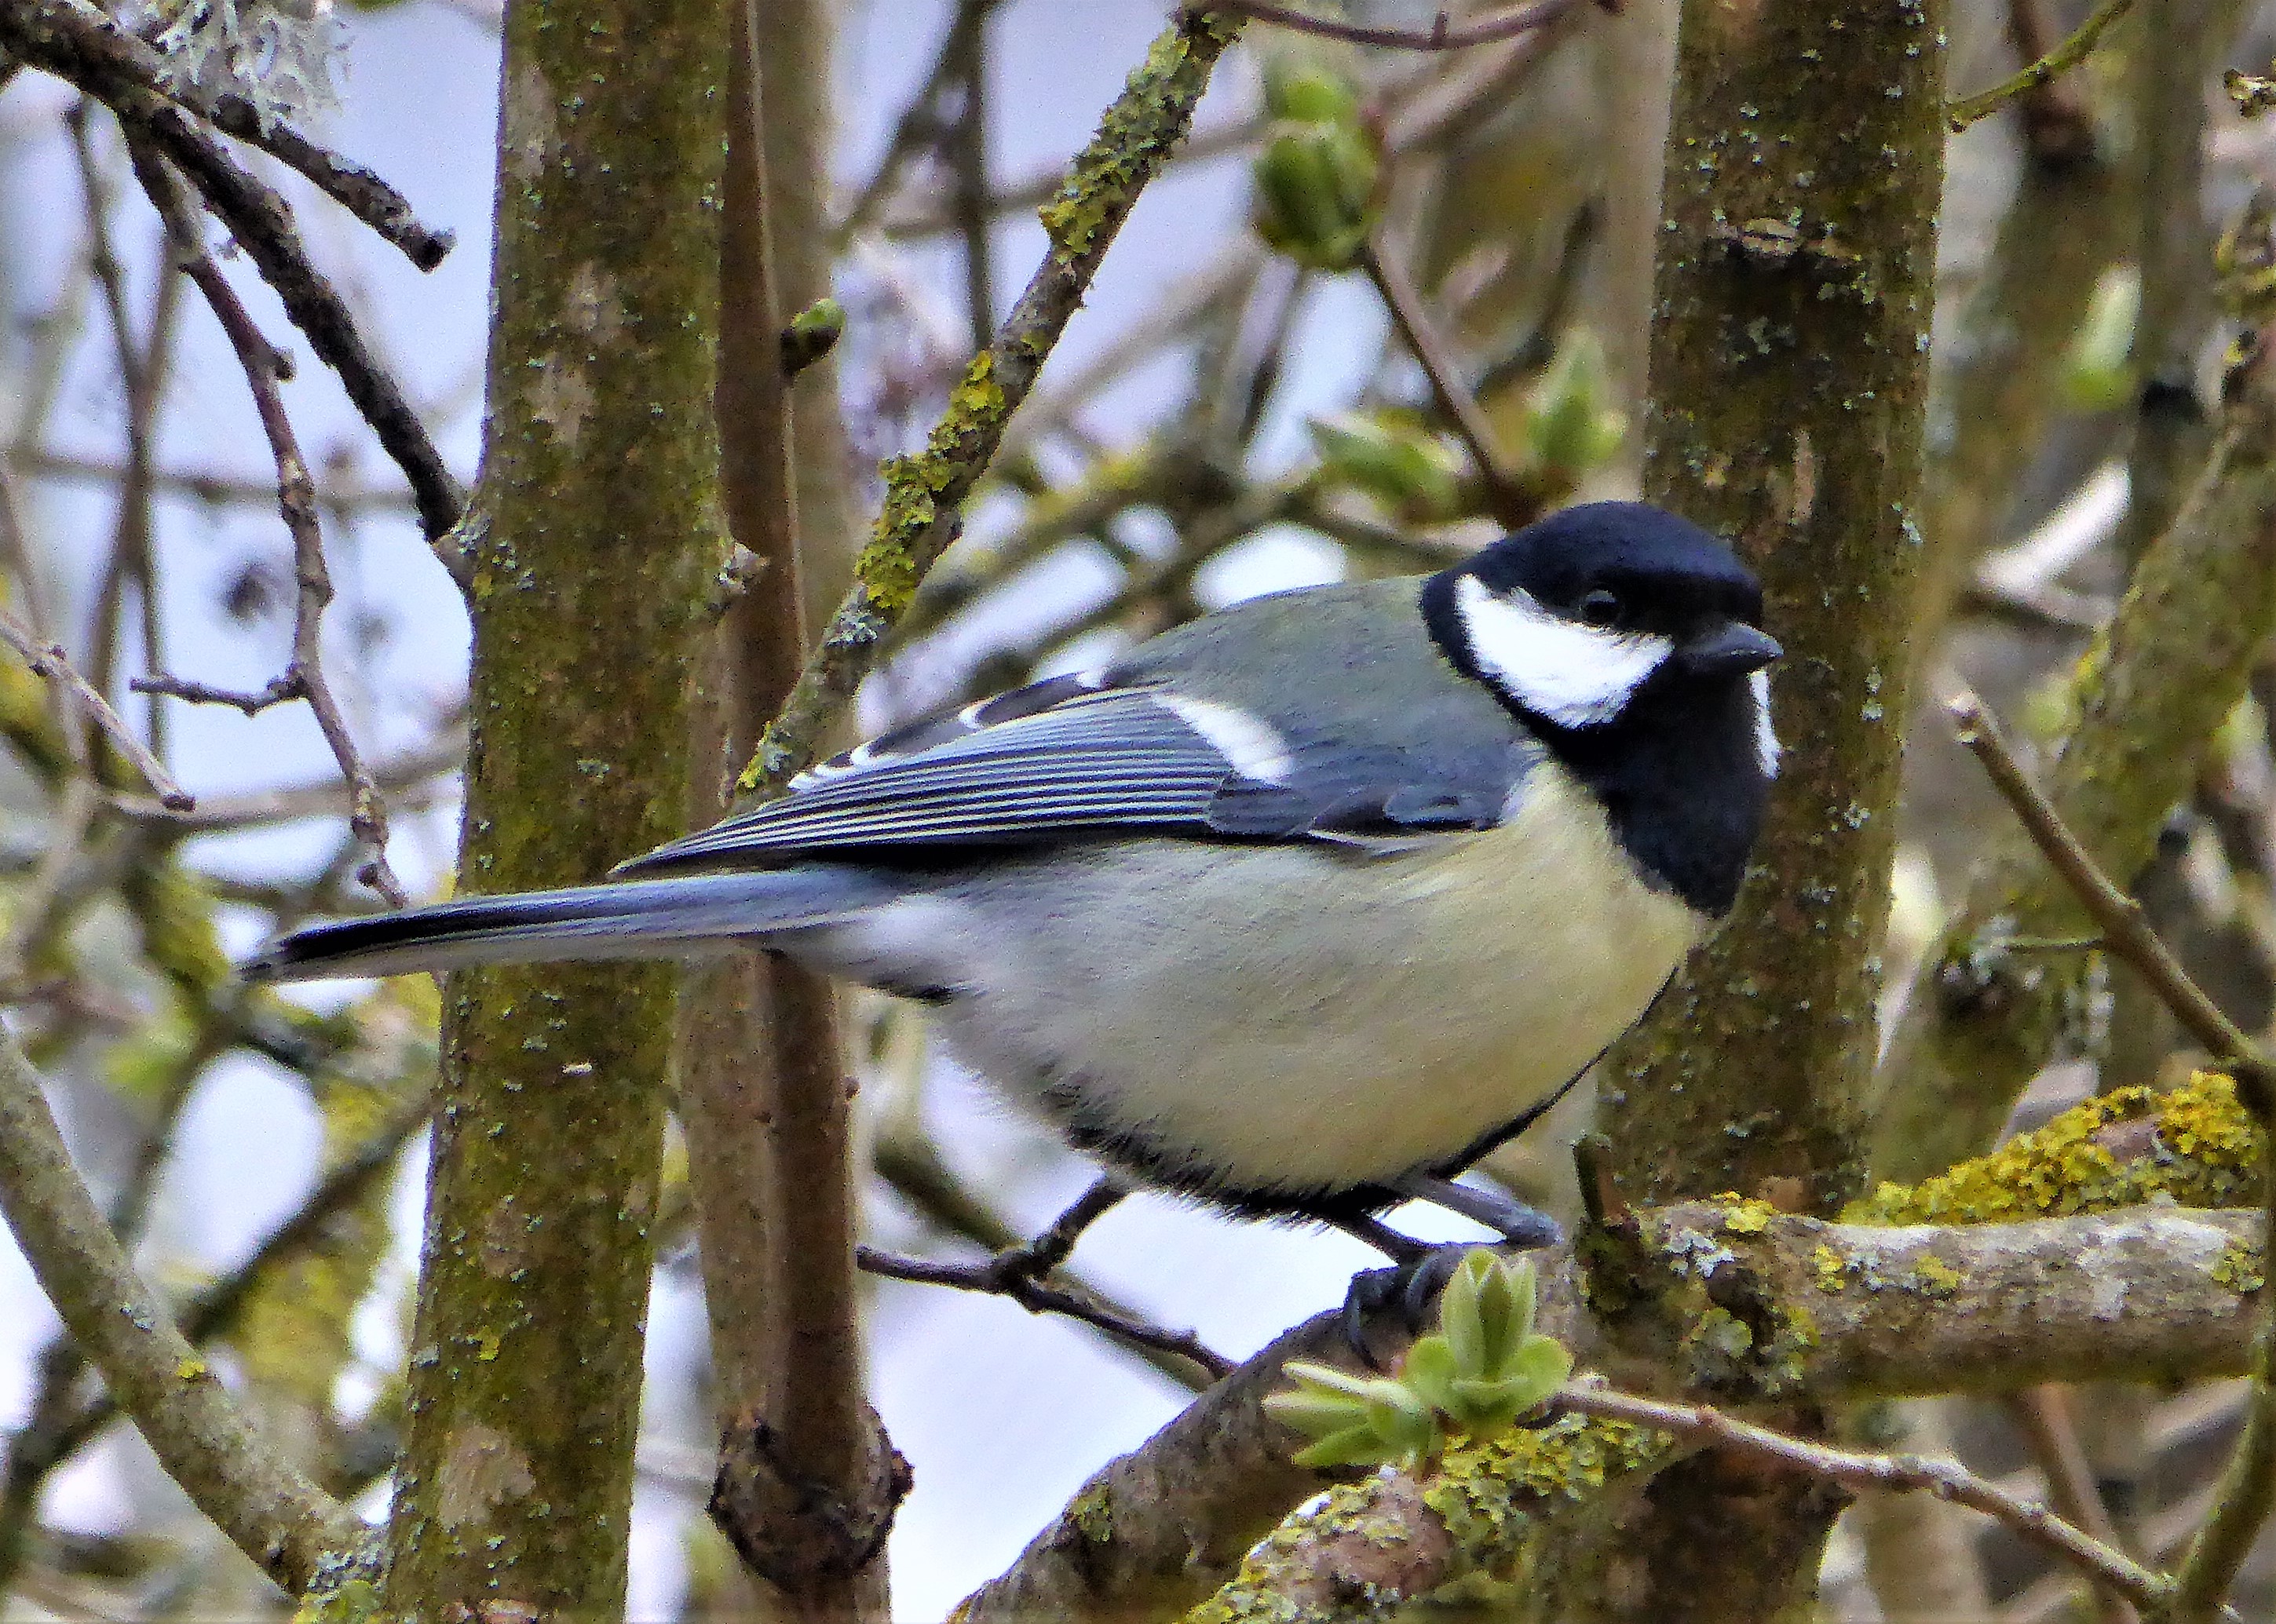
(1573,619)
(1629,641)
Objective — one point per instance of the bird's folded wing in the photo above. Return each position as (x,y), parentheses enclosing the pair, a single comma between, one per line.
(1061,756)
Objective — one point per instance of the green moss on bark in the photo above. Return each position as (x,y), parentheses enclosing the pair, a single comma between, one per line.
(600,496)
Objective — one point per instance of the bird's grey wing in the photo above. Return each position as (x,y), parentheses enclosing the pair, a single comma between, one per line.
(1066,756)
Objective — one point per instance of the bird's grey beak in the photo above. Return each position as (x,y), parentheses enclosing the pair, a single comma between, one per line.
(1728,650)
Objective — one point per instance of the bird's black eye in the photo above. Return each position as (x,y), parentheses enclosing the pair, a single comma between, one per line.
(1598,608)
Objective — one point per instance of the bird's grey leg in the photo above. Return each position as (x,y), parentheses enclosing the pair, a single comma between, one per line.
(1518,1225)
(1420,1270)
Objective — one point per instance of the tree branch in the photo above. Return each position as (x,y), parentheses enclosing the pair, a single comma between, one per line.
(2125,927)
(1867,1311)
(1979,1021)
(1970,110)
(89,49)
(1507,498)
(1946,1480)
(304,675)
(924,493)
(1442,35)
(2246,1494)
(52,665)
(262,226)
(298,1535)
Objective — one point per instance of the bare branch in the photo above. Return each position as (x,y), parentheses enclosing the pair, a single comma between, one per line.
(192,692)
(304,677)
(2246,1494)
(213,1310)
(1914,1309)
(1038,1297)
(1946,1480)
(2043,1416)
(1442,35)
(262,226)
(1023,1272)
(1970,110)
(53,666)
(1507,495)
(2125,927)
(90,50)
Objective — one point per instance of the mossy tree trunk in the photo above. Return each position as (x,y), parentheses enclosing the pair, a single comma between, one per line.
(600,493)
(1789,375)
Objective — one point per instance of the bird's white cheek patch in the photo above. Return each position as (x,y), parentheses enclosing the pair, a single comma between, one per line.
(1767,738)
(1573,674)
(1252,746)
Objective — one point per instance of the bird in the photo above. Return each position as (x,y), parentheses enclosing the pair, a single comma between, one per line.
(1296,910)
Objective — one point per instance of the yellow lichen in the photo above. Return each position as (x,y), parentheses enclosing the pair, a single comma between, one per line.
(1092,1513)
(2207,1155)
(1932,1277)
(1832,1268)
(1742,1217)
(2243,1266)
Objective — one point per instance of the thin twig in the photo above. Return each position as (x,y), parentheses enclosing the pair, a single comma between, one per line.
(964,143)
(89,49)
(1507,495)
(192,692)
(304,675)
(213,489)
(2043,1416)
(1023,1272)
(912,1167)
(2125,927)
(1946,1480)
(262,223)
(142,370)
(925,493)
(1047,1251)
(401,775)
(1442,35)
(2057,126)
(918,129)
(1970,110)
(213,1309)
(1038,1298)
(52,665)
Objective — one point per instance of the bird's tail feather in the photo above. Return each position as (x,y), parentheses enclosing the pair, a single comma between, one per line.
(678,918)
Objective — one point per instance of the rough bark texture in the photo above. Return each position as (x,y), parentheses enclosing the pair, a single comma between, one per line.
(602,507)
(1789,375)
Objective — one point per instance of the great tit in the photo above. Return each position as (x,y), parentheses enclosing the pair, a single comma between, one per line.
(1298,909)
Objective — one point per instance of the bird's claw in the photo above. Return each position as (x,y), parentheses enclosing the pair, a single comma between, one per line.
(1412,1286)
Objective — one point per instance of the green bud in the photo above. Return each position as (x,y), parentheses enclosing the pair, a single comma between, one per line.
(1411,471)
(812,333)
(1569,427)
(1431,1371)
(1358,1445)
(2097,372)
(1308,91)
(1319,172)
(1407,1424)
